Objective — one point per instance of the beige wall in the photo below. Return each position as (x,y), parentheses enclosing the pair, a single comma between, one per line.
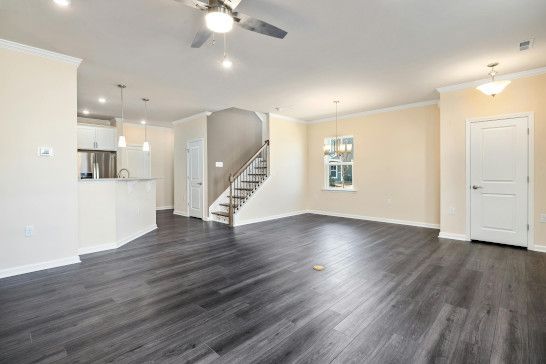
(522,95)
(233,136)
(396,167)
(184,131)
(162,149)
(37,108)
(285,190)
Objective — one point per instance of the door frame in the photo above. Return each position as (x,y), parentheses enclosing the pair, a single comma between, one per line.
(202,140)
(530,169)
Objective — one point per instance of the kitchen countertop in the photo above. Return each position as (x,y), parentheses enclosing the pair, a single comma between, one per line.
(116,179)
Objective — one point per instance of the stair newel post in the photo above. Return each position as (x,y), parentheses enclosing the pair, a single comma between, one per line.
(230,207)
(267,158)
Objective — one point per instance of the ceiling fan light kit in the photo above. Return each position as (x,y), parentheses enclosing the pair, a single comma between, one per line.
(219,19)
(494,87)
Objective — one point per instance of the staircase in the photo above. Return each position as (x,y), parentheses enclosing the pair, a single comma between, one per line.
(243,184)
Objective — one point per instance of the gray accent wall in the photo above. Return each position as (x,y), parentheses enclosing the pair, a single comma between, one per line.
(233,136)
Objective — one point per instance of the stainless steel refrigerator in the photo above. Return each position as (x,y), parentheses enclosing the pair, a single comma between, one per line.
(93,164)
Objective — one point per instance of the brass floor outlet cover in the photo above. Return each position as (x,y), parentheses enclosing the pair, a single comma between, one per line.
(318,267)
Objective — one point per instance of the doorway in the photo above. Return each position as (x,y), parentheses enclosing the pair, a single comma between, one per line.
(195,164)
(499,170)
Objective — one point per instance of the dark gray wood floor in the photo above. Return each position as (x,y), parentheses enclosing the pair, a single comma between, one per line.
(201,292)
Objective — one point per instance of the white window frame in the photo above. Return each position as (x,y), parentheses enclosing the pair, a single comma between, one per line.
(328,164)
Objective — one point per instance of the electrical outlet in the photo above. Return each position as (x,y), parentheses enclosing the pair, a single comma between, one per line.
(543,218)
(219,164)
(29,230)
(451,210)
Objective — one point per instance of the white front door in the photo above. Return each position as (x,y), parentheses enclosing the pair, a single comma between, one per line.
(195,178)
(499,181)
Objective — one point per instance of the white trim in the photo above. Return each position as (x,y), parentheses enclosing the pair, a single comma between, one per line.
(377,111)
(539,248)
(160,208)
(190,118)
(180,213)
(530,171)
(28,268)
(286,118)
(378,219)
(7,44)
(451,236)
(118,244)
(508,76)
(339,190)
(267,218)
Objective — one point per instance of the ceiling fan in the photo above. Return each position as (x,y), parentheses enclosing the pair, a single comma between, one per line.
(221,16)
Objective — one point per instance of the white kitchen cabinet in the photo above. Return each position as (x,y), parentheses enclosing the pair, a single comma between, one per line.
(86,137)
(105,138)
(96,137)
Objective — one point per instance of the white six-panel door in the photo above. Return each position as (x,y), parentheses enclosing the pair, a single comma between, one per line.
(499,181)
(195,178)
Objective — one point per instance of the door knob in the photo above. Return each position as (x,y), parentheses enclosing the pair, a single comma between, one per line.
(476,187)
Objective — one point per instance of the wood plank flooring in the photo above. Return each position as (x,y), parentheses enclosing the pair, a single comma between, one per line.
(194,291)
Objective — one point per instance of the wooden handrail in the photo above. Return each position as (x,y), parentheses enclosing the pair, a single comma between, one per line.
(242,169)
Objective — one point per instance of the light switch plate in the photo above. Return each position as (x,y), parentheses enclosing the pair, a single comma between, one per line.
(219,164)
(542,217)
(45,152)
(29,230)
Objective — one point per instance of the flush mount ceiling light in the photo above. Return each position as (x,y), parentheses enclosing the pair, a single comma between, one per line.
(494,87)
(63,3)
(219,19)
(85,112)
(102,100)
(121,140)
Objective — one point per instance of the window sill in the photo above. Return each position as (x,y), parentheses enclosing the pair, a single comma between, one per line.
(339,190)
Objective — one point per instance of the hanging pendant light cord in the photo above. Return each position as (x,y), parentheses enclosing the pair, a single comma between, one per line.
(146,118)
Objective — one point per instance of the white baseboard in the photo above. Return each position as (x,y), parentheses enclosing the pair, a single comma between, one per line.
(452,236)
(181,213)
(129,238)
(15,271)
(378,219)
(159,208)
(96,248)
(539,248)
(118,244)
(267,218)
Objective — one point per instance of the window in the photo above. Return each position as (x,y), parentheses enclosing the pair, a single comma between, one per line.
(338,167)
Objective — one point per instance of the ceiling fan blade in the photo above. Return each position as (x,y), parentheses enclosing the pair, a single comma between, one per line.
(258,26)
(196,4)
(201,37)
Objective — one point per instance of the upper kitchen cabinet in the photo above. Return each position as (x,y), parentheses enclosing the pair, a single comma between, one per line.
(92,137)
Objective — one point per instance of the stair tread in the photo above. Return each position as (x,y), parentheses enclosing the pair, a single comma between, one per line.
(237,196)
(221,213)
(227,205)
(257,174)
(244,189)
(250,181)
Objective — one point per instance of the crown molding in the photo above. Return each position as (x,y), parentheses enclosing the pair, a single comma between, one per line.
(7,44)
(508,76)
(286,118)
(190,118)
(377,111)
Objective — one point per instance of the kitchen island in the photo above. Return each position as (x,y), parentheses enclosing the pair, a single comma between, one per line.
(114,211)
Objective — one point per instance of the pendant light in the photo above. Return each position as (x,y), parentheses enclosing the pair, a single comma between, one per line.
(146,144)
(494,87)
(121,140)
(226,62)
(339,147)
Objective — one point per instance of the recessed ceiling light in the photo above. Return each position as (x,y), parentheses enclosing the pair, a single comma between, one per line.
(63,3)
(143,122)
(85,111)
(102,100)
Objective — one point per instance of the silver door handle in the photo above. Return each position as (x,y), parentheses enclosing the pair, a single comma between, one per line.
(476,187)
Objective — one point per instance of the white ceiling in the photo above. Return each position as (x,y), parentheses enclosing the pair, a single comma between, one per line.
(369,54)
